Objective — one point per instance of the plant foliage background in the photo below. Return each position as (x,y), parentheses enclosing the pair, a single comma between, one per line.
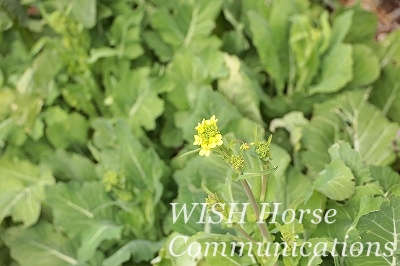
(99,98)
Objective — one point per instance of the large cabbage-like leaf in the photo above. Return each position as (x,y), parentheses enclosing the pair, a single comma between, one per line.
(190,22)
(135,99)
(349,116)
(41,245)
(22,187)
(382,227)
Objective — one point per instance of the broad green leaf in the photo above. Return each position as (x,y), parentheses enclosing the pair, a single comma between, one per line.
(386,91)
(133,98)
(189,23)
(336,181)
(39,78)
(125,33)
(263,40)
(389,49)
(188,76)
(343,151)
(170,135)
(337,70)
(363,26)
(13,133)
(85,11)
(24,114)
(94,235)
(240,89)
(341,26)
(70,166)
(22,187)
(234,41)
(76,206)
(64,129)
(382,227)
(161,49)
(366,67)
(80,96)
(41,245)
(386,176)
(190,73)
(349,116)
(140,250)
(85,212)
(367,198)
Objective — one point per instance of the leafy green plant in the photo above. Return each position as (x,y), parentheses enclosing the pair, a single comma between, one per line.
(99,100)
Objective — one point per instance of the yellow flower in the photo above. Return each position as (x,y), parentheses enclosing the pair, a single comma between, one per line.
(208,136)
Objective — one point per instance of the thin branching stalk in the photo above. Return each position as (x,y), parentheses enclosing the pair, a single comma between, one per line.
(244,233)
(262,226)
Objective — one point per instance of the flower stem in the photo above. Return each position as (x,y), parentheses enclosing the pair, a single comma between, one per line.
(262,226)
(264,181)
(263,188)
(244,233)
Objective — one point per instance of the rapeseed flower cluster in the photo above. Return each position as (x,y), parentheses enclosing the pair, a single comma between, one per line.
(263,148)
(236,161)
(208,136)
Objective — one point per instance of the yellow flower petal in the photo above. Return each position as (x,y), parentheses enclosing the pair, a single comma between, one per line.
(205,152)
(197,140)
(212,145)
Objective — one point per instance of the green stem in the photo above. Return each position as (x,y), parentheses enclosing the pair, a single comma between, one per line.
(244,233)
(264,180)
(262,226)
(263,188)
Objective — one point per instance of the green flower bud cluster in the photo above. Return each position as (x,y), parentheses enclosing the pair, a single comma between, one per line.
(213,202)
(116,184)
(236,161)
(263,149)
(74,41)
(110,179)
